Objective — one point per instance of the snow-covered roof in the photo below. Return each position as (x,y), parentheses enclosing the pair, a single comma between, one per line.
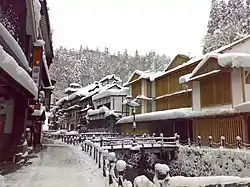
(60,101)
(234,60)
(102,109)
(38,112)
(69,89)
(109,77)
(10,66)
(197,59)
(175,114)
(110,92)
(178,55)
(143,75)
(74,107)
(83,92)
(14,47)
(74,85)
(143,97)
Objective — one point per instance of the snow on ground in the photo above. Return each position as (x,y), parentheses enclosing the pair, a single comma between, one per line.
(58,165)
(211,162)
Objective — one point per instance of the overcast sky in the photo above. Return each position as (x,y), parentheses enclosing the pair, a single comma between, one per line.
(166,26)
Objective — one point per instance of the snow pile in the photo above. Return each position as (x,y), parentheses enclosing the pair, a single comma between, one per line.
(162,168)
(73,133)
(144,97)
(60,101)
(184,78)
(75,85)
(9,65)
(193,162)
(2,180)
(179,181)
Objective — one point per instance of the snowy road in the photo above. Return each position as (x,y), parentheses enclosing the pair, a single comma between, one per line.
(58,165)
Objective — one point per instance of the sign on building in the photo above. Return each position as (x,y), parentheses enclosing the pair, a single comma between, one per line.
(37,56)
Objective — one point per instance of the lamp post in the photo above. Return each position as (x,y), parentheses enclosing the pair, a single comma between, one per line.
(134,123)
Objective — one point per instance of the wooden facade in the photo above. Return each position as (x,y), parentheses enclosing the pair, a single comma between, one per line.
(230,127)
(170,93)
(216,90)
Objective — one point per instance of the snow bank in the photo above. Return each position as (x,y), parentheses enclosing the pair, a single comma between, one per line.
(121,165)
(10,66)
(2,180)
(180,181)
(211,162)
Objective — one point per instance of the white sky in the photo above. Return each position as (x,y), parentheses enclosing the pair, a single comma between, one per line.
(166,26)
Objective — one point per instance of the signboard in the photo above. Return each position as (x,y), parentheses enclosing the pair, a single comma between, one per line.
(37,56)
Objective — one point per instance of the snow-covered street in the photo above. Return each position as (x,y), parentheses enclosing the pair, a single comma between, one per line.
(58,165)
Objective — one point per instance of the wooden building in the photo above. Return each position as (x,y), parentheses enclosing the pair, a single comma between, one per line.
(178,101)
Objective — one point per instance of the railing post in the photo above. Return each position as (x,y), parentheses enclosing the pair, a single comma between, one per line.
(199,141)
(189,142)
(101,141)
(90,153)
(238,140)
(222,142)
(96,156)
(210,141)
(105,154)
(122,146)
(94,152)
(99,160)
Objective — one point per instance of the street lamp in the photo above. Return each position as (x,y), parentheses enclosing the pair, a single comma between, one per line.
(133,104)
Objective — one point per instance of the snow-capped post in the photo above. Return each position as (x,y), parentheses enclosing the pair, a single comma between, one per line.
(222,142)
(99,159)
(189,142)
(94,153)
(111,158)
(120,167)
(177,139)
(162,139)
(96,156)
(161,176)
(198,142)
(101,141)
(112,146)
(210,141)
(90,151)
(93,137)
(238,142)
(105,154)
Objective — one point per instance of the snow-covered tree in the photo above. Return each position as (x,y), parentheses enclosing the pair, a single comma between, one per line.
(86,66)
(228,22)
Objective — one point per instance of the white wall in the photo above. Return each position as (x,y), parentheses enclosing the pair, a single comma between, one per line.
(240,48)
(196,97)
(247,92)
(236,81)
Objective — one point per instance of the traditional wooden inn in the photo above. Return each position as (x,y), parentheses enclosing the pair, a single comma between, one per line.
(192,106)
(107,108)
(22,54)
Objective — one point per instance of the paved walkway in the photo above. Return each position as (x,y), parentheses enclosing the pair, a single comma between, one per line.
(58,166)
